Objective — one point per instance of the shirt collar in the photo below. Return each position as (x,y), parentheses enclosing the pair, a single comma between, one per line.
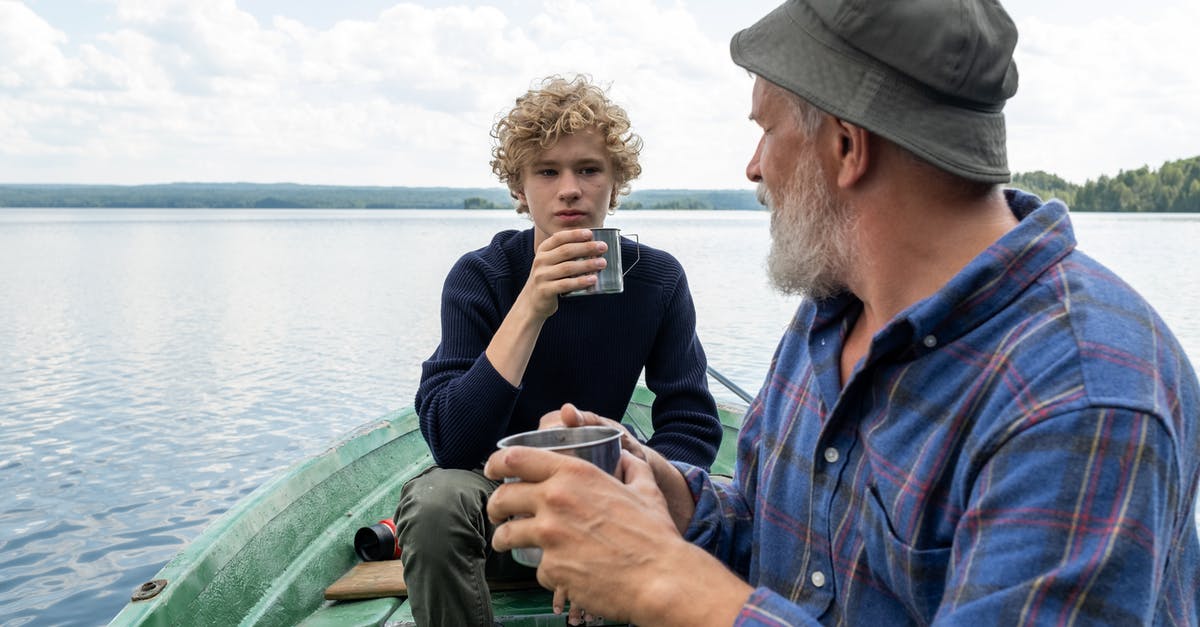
(1041,239)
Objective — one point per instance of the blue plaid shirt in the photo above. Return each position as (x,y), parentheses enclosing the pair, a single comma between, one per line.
(1019,448)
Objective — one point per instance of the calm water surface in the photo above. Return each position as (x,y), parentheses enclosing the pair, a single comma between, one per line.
(157,365)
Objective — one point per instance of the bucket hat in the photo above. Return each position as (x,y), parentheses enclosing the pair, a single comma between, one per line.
(929,75)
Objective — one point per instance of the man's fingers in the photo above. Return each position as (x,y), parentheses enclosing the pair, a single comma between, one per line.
(551,420)
(575,617)
(523,462)
(515,533)
(634,471)
(572,416)
(503,538)
(560,600)
(531,466)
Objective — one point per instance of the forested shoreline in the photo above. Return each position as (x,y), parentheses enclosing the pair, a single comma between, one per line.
(1173,187)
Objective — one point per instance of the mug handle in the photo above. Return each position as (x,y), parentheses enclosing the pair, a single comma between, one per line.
(639,255)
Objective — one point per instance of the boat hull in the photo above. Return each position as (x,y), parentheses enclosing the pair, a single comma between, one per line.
(268,560)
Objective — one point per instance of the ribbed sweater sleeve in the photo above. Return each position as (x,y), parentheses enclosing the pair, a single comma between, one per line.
(684,413)
(463,403)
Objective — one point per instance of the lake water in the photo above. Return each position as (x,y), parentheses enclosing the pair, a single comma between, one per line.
(158,365)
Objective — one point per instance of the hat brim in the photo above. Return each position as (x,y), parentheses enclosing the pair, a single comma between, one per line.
(792,48)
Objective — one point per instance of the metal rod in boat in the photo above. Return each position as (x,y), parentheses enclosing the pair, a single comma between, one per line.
(733,387)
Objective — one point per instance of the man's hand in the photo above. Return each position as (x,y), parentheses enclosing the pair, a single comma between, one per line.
(609,546)
(670,481)
(571,416)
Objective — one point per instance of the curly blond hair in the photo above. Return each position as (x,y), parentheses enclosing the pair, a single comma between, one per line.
(561,107)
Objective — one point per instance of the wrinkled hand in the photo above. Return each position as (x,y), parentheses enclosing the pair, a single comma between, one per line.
(565,262)
(602,540)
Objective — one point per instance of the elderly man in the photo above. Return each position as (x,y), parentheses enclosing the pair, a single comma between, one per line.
(969,421)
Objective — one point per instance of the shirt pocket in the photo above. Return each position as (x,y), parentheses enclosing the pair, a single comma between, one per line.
(917,577)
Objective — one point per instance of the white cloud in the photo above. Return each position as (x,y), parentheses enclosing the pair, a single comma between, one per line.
(1107,93)
(165,90)
(30,50)
(199,91)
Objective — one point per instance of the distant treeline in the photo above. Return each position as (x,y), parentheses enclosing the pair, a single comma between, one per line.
(294,196)
(1173,187)
(249,196)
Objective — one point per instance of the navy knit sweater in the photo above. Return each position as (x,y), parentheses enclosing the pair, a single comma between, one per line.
(590,353)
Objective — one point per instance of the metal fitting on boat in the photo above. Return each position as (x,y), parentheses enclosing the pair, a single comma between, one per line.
(148,590)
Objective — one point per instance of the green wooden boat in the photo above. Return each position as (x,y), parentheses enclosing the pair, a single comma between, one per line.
(269,559)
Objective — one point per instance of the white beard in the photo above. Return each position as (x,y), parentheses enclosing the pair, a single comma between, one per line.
(812,245)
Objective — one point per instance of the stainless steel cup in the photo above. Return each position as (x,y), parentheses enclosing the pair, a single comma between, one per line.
(611,280)
(599,445)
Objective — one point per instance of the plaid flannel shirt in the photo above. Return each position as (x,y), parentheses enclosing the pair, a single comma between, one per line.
(1019,448)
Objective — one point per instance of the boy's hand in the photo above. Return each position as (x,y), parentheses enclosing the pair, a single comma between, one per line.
(565,262)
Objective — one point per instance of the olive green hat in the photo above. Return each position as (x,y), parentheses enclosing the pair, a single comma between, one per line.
(930,75)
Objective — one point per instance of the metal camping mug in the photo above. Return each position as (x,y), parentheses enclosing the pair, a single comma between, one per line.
(596,444)
(610,280)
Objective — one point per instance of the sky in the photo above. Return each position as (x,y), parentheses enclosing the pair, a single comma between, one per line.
(379,92)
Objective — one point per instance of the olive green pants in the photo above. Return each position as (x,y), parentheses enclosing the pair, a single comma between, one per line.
(445,536)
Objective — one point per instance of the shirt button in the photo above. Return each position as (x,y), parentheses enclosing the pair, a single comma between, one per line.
(930,341)
(818,579)
(831,455)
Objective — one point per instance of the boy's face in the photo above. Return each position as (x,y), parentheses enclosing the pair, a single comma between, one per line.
(569,185)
